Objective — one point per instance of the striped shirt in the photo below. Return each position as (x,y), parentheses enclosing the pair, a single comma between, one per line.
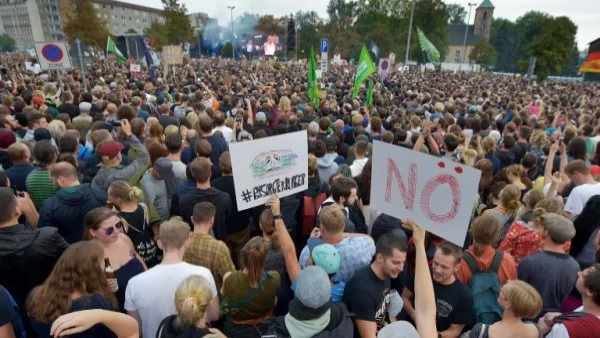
(39,186)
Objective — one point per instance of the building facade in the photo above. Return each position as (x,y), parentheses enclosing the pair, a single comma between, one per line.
(122,17)
(480,29)
(30,21)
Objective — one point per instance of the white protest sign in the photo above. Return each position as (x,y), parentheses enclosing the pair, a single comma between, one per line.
(437,194)
(268,166)
(135,68)
(53,55)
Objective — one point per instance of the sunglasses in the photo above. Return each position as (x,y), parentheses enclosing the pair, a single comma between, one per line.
(111,230)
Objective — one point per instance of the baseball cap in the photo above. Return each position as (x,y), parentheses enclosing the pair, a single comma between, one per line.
(85,106)
(313,288)
(400,329)
(595,170)
(37,100)
(260,116)
(327,257)
(7,138)
(550,130)
(41,134)
(110,149)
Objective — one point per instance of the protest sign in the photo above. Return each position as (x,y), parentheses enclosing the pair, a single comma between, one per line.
(135,68)
(172,55)
(268,166)
(437,194)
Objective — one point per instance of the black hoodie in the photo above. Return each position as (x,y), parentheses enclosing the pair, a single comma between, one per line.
(219,199)
(170,327)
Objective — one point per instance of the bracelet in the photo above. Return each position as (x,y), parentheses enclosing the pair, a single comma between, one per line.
(276,217)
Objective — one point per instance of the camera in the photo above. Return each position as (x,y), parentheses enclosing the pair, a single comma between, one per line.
(115,123)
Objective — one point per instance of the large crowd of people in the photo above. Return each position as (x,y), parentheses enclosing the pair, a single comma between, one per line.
(119,217)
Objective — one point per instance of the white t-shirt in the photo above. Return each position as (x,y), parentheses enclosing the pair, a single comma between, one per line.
(227,133)
(579,197)
(152,293)
(179,170)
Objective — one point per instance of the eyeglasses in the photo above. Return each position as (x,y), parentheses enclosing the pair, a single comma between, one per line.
(109,231)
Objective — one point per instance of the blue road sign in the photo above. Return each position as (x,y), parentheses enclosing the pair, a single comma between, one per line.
(324,45)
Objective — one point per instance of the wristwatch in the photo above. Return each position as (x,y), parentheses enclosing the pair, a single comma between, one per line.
(276,217)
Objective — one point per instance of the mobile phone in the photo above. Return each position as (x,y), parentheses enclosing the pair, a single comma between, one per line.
(561,140)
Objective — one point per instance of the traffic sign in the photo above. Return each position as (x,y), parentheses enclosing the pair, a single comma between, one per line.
(53,55)
(324,45)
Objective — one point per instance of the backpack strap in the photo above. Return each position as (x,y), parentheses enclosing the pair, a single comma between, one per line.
(498,256)
(471,262)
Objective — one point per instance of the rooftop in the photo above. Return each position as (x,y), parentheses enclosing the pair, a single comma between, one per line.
(486,4)
(128,5)
(456,36)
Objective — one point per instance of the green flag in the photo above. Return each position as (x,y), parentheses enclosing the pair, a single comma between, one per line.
(313,84)
(428,48)
(365,68)
(112,48)
(370,92)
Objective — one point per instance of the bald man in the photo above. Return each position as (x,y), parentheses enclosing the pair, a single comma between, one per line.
(67,208)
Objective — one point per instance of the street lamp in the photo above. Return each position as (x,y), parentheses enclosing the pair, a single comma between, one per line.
(232,34)
(412,10)
(466,31)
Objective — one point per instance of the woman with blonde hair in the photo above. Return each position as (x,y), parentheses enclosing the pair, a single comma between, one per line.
(126,200)
(489,148)
(77,282)
(171,129)
(524,238)
(249,294)
(507,210)
(517,176)
(519,300)
(104,227)
(57,129)
(284,105)
(485,231)
(192,297)
(469,156)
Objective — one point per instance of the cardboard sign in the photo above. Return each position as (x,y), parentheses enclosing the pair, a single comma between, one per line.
(268,166)
(438,194)
(135,68)
(227,79)
(172,55)
(53,55)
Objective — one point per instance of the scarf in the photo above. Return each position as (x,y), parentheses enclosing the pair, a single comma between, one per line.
(306,328)
(302,312)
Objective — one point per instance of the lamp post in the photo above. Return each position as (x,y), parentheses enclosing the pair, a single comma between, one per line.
(466,31)
(412,11)
(232,34)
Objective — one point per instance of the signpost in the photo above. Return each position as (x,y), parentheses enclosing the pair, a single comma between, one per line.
(324,50)
(53,55)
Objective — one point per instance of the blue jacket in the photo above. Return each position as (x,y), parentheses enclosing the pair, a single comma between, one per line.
(66,210)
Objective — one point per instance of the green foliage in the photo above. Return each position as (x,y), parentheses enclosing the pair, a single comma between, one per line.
(503,39)
(308,26)
(529,26)
(7,43)
(81,21)
(200,20)
(271,25)
(456,13)
(341,14)
(177,28)
(483,53)
(131,31)
(227,50)
(157,32)
(554,46)
(435,16)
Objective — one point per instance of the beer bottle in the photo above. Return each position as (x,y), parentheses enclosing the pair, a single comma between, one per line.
(110,274)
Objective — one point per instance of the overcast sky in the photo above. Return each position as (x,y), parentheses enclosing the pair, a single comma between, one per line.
(585,13)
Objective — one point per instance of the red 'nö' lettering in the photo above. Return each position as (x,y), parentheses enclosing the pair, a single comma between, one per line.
(408,193)
(430,186)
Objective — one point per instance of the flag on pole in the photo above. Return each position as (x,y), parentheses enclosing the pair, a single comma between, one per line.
(313,84)
(370,92)
(149,60)
(428,48)
(365,68)
(112,48)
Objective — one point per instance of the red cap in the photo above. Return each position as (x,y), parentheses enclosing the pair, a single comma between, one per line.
(595,170)
(110,149)
(37,100)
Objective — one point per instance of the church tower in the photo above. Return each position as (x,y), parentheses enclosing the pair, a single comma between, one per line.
(483,19)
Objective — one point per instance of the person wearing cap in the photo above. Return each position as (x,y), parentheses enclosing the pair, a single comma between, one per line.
(580,175)
(83,121)
(112,168)
(68,207)
(552,271)
(261,123)
(7,138)
(454,300)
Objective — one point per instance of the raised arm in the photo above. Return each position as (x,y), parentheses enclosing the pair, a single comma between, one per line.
(285,241)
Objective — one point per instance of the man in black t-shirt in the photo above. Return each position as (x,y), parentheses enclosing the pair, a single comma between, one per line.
(368,293)
(454,300)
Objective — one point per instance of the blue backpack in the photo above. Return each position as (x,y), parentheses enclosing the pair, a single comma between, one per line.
(485,286)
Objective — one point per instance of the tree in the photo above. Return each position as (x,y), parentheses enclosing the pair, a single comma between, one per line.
(341,13)
(82,21)
(554,46)
(308,26)
(435,15)
(7,43)
(503,39)
(483,53)
(530,25)
(131,31)
(199,20)
(456,13)
(157,32)
(178,28)
(271,25)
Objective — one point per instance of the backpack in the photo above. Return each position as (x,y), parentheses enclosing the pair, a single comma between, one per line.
(310,209)
(485,286)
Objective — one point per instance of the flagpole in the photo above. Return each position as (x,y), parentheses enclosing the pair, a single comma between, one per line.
(412,11)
